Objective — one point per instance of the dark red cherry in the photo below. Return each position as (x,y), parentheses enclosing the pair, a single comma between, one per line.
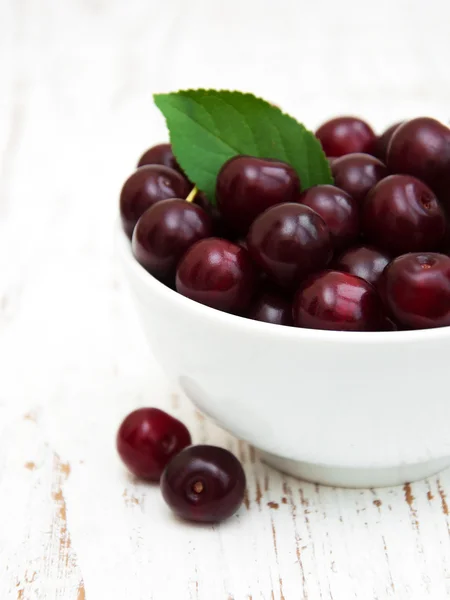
(338,301)
(217,273)
(382,142)
(401,214)
(339,211)
(204,484)
(161,154)
(418,290)
(358,173)
(148,439)
(247,186)
(363,261)
(421,147)
(145,187)
(344,135)
(289,241)
(271,307)
(165,231)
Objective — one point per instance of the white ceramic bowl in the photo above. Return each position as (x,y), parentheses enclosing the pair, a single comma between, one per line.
(344,409)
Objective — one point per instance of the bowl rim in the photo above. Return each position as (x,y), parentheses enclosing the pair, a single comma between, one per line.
(259,327)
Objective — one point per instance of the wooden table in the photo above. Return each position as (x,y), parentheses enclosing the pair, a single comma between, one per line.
(75,113)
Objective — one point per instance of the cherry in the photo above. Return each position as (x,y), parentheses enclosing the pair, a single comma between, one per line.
(418,289)
(271,307)
(382,142)
(204,484)
(165,231)
(344,135)
(159,155)
(357,173)
(401,214)
(217,273)
(338,301)
(339,211)
(289,241)
(145,187)
(247,186)
(421,147)
(147,440)
(363,261)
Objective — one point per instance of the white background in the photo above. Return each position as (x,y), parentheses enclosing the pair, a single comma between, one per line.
(77,78)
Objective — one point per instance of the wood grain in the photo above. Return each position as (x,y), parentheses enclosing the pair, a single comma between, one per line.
(75,113)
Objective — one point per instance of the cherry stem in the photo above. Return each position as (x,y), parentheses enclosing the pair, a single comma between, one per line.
(198,487)
(192,194)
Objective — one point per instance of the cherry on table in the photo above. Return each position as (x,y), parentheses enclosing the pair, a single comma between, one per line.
(204,484)
(217,273)
(289,241)
(339,211)
(144,188)
(165,231)
(247,186)
(401,214)
(344,135)
(357,173)
(421,147)
(148,439)
(338,301)
(363,261)
(417,289)
(161,154)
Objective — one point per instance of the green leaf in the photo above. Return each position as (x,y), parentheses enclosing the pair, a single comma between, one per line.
(207,127)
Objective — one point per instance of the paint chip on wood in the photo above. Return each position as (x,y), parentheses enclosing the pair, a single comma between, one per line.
(408,494)
(443,499)
(81,592)
(129,498)
(258,494)
(59,529)
(409,498)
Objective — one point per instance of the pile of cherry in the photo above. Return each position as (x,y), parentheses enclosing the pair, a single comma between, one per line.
(369,253)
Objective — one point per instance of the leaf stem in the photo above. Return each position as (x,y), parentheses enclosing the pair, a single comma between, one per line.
(192,194)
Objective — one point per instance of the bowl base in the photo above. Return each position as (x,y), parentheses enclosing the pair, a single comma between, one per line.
(349,477)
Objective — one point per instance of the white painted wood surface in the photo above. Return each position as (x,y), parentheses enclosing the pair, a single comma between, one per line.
(75,113)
